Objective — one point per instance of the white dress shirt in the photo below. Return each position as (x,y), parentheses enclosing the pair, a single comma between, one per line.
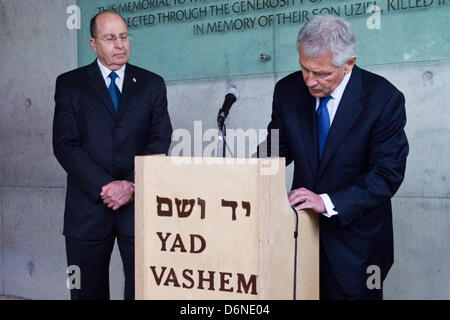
(332,107)
(105,73)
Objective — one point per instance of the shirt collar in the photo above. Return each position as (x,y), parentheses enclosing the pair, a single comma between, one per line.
(105,71)
(339,90)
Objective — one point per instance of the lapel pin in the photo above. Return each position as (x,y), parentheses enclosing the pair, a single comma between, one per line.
(134,80)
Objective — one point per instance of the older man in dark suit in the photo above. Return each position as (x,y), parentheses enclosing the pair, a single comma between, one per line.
(106,113)
(342,127)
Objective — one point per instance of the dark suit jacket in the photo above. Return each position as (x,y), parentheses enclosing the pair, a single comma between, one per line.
(362,167)
(97,145)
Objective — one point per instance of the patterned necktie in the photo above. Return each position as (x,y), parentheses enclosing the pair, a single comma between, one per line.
(323,123)
(114,91)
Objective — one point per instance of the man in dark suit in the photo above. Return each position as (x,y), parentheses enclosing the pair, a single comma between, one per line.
(106,113)
(342,127)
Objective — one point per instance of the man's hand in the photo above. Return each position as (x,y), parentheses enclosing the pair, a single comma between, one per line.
(117,194)
(304,199)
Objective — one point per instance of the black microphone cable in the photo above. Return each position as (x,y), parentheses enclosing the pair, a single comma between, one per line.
(295,252)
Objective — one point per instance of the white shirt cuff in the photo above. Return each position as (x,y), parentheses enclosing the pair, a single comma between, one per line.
(328,205)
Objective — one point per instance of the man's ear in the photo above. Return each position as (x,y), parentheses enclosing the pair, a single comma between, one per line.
(349,64)
(93,44)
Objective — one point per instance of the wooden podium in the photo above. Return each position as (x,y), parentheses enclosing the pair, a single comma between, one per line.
(214,228)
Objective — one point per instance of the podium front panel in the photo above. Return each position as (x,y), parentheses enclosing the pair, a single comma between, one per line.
(211,230)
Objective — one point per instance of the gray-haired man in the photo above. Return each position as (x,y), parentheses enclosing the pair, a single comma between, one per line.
(343,128)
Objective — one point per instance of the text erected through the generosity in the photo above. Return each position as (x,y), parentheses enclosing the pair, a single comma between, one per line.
(222,16)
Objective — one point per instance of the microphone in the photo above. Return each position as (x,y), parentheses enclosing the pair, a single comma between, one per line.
(231,96)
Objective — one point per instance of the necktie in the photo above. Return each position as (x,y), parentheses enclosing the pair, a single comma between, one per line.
(114,91)
(323,123)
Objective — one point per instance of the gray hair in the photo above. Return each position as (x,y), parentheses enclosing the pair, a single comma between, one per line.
(328,34)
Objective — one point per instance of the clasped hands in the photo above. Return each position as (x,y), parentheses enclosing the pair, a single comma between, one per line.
(117,194)
(303,199)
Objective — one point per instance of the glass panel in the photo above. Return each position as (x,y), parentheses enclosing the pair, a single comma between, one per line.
(198,39)
(403,31)
(218,45)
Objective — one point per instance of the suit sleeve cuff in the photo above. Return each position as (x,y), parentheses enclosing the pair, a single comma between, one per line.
(328,206)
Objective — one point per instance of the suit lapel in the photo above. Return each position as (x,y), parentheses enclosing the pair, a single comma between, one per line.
(128,90)
(307,122)
(346,115)
(97,83)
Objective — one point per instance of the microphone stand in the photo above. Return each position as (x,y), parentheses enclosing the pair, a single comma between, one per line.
(223,131)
